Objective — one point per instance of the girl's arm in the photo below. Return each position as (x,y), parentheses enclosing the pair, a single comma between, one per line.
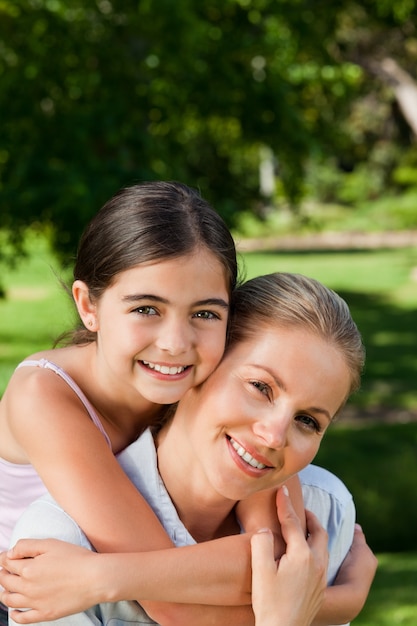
(260,511)
(84,477)
(344,600)
(77,579)
(55,434)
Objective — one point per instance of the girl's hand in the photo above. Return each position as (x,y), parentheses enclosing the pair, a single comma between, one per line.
(289,592)
(36,570)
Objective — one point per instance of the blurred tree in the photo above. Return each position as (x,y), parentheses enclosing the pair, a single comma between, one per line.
(96,94)
(374,147)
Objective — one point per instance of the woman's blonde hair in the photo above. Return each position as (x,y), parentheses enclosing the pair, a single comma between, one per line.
(293,300)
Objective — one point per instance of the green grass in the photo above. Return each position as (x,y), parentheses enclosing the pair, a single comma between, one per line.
(392,601)
(35,311)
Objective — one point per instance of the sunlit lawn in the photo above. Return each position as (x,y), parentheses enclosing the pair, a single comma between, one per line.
(393,600)
(35,311)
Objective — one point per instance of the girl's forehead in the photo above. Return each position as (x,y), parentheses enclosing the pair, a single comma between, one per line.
(197,276)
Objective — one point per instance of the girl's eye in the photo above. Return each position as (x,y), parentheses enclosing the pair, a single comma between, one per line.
(263,388)
(146,310)
(309,423)
(206,315)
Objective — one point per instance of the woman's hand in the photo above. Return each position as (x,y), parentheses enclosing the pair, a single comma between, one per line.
(289,592)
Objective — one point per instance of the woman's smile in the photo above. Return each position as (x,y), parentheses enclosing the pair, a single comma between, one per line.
(247,457)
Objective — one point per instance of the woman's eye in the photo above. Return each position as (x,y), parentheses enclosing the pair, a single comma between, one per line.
(262,387)
(146,310)
(206,315)
(309,422)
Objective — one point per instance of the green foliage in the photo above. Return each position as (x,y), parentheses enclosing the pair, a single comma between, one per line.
(95,95)
(105,96)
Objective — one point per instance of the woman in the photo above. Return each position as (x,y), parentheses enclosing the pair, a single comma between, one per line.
(293,358)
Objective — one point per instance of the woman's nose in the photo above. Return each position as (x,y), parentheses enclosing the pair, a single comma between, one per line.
(273,429)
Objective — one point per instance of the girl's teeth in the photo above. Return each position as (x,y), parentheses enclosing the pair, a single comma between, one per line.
(244,454)
(164,369)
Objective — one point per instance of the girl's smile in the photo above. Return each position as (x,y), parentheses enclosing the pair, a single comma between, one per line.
(161,327)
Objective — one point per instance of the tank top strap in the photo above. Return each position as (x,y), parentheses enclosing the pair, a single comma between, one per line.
(44,363)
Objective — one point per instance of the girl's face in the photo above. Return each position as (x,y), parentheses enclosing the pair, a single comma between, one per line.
(261,416)
(161,327)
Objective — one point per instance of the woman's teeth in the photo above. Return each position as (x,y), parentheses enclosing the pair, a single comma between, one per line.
(244,454)
(164,369)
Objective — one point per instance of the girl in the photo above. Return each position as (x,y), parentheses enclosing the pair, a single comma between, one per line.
(256,422)
(153,278)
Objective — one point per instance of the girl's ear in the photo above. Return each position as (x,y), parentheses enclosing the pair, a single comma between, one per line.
(87,309)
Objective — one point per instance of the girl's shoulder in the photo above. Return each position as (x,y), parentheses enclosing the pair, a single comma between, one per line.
(35,381)
(71,360)
(36,400)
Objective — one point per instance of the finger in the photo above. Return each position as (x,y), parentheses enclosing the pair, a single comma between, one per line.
(25,617)
(7,580)
(291,527)
(317,539)
(11,568)
(317,535)
(13,600)
(358,535)
(262,546)
(26,548)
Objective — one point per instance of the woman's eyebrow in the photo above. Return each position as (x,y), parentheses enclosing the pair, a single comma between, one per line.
(280,384)
(323,412)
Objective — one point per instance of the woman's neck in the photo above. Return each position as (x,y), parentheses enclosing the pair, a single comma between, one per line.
(205,513)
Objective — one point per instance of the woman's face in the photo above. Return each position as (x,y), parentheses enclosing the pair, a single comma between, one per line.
(261,415)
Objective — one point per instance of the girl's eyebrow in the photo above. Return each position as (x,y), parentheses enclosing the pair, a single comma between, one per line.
(147,296)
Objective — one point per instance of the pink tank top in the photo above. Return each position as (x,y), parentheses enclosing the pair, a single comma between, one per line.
(20,485)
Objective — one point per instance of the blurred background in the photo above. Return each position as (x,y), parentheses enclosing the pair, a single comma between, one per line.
(298,121)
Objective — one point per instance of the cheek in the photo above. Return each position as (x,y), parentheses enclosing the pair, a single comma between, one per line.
(304,450)
(212,350)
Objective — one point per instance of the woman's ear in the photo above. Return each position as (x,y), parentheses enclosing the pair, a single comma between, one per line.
(87,309)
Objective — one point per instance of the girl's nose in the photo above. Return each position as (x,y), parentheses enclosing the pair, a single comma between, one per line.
(175,337)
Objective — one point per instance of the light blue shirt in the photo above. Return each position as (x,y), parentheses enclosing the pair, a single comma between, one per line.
(324,494)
